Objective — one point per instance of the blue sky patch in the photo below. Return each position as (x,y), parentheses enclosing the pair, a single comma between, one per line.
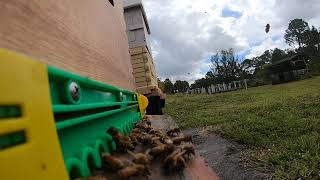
(226,12)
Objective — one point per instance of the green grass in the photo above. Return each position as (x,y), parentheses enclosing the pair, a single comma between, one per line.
(280,123)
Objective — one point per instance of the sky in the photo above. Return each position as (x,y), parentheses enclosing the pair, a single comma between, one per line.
(185,33)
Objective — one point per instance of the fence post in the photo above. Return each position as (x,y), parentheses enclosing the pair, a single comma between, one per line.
(245,84)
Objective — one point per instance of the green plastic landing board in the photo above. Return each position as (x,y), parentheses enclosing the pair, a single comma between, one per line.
(83,110)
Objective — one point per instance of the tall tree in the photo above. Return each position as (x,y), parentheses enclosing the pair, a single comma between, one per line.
(199,83)
(312,42)
(161,84)
(168,86)
(296,32)
(226,67)
(181,86)
(277,55)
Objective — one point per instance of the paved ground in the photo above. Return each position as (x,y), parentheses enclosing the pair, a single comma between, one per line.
(224,157)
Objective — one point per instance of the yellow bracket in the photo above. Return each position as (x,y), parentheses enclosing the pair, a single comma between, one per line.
(143,104)
(25,86)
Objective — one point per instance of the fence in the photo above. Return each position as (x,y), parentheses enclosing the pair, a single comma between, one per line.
(218,88)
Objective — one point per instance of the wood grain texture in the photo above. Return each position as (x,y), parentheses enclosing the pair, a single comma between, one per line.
(143,66)
(80,36)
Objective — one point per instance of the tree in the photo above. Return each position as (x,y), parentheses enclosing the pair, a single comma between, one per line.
(290,52)
(312,42)
(265,58)
(263,75)
(200,83)
(296,33)
(181,86)
(168,86)
(226,67)
(277,55)
(161,84)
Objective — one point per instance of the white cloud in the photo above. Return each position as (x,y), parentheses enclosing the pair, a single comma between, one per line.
(185,32)
(266,45)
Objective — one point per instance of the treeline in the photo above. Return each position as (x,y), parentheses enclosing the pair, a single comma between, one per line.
(227,67)
(169,88)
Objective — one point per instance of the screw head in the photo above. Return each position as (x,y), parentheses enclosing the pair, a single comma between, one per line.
(74,90)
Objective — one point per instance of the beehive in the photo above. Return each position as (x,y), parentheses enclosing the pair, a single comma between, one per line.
(83,37)
(143,69)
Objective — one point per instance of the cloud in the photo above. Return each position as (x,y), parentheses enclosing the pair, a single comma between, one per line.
(185,32)
(267,44)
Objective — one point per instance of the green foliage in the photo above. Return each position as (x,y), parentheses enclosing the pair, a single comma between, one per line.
(161,84)
(297,33)
(226,67)
(203,82)
(264,74)
(280,123)
(181,86)
(168,86)
(312,42)
(278,55)
(315,65)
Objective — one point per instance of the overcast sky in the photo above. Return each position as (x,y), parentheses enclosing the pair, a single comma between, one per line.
(184,33)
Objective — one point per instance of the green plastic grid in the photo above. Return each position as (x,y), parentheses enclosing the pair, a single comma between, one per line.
(84,109)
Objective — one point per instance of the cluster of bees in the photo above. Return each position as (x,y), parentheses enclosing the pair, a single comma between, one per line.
(172,150)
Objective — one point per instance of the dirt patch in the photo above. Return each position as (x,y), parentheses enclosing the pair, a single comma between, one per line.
(224,156)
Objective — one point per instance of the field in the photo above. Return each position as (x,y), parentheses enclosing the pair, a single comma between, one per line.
(280,124)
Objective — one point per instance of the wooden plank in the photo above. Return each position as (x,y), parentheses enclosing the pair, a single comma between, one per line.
(147,57)
(151,82)
(143,79)
(154,81)
(80,36)
(138,61)
(140,84)
(138,50)
(142,61)
(146,68)
(139,65)
(141,74)
(138,56)
(144,89)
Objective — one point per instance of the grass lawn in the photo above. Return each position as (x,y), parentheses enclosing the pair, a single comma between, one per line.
(280,123)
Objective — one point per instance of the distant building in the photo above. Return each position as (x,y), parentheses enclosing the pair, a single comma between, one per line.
(289,69)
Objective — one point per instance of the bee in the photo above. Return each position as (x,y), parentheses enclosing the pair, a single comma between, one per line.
(175,161)
(113,162)
(123,143)
(178,140)
(141,158)
(146,139)
(93,178)
(144,127)
(146,120)
(189,148)
(134,138)
(136,130)
(166,140)
(134,170)
(162,150)
(155,141)
(156,132)
(174,132)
